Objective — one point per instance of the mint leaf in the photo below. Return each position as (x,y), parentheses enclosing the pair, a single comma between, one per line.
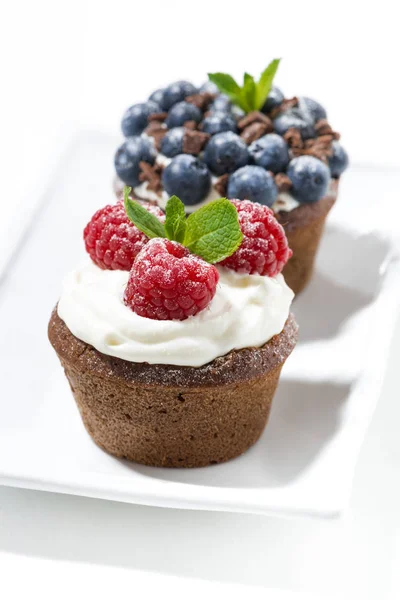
(226,84)
(252,95)
(175,219)
(213,231)
(248,92)
(143,220)
(264,85)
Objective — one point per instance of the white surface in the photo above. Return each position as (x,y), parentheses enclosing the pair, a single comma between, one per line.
(113,582)
(326,397)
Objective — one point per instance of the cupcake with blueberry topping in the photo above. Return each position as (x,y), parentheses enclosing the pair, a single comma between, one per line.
(244,142)
(173,335)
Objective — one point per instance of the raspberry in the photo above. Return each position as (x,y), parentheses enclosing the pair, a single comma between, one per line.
(112,240)
(167,282)
(264,249)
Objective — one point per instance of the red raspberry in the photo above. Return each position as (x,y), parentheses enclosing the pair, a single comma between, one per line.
(112,240)
(167,282)
(264,249)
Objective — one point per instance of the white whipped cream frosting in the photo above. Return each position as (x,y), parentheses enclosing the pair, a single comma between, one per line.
(246,311)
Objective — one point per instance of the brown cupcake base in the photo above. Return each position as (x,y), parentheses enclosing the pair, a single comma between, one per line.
(171,416)
(304,227)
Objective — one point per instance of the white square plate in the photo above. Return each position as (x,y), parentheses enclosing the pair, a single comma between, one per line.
(305,460)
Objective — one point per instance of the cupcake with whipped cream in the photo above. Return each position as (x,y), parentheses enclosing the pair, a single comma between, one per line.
(244,142)
(173,334)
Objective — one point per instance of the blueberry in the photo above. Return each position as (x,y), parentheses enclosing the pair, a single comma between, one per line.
(209,87)
(294,118)
(218,122)
(176,92)
(274,99)
(237,112)
(181,112)
(253,183)
(339,160)
(310,178)
(271,152)
(225,153)
(221,104)
(157,96)
(135,118)
(312,108)
(129,155)
(188,178)
(172,142)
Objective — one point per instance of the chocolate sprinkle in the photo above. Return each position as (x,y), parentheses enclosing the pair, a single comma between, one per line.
(254,117)
(156,130)
(161,116)
(283,183)
(194,141)
(221,185)
(255,131)
(284,106)
(293,138)
(323,128)
(151,174)
(202,100)
(190,125)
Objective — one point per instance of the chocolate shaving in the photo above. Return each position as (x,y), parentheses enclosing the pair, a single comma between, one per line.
(202,101)
(194,141)
(254,117)
(323,128)
(151,174)
(255,131)
(221,184)
(320,147)
(283,183)
(161,116)
(157,131)
(293,138)
(190,125)
(284,106)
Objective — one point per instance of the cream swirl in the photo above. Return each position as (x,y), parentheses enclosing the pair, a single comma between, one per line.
(246,311)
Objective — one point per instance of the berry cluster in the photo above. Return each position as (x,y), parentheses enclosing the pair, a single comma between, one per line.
(264,249)
(167,281)
(206,137)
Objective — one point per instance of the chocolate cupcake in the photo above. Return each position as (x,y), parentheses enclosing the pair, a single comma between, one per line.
(238,142)
(172,360)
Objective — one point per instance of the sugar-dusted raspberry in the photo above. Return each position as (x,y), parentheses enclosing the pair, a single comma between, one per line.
(264,249)
(167,282)
(112,240)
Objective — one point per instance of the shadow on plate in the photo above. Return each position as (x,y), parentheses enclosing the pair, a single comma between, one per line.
(325,306)
(304,418)
(346,280)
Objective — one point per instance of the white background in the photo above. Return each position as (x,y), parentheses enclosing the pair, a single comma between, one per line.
(72,65)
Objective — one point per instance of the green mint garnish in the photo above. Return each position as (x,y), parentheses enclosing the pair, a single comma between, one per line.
(252,94)
(175,219)
(145,221)
(212,232)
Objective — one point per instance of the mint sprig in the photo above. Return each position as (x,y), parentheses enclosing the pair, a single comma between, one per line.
(251,95)
(175,219)
(212,232)
(149,223)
